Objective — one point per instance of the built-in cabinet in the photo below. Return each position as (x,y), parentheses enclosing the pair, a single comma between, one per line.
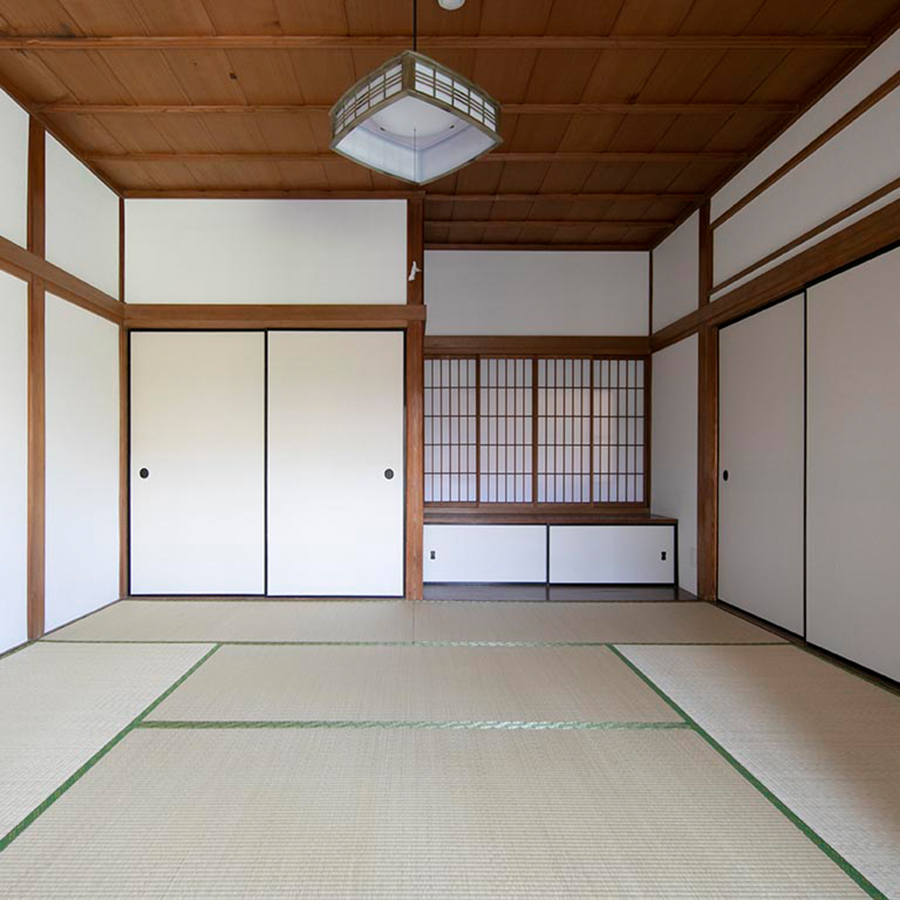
(267,463)
(809,486)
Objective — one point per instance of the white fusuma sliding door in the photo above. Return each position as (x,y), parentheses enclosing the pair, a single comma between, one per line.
(197,463)
(761,449)
(336,463)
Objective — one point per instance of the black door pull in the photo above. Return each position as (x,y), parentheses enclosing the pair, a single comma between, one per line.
(389,474)
(144,473)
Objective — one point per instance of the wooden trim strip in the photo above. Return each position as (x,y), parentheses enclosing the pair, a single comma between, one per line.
(875,196)
(62,108)
(528,345)
(432,42)
(708,465)
(549,514)
(505,223)
(36,459)
(611,157)
(843,122)
(141,194)
(586,197)
(124,479)
(28,265)
(415,460)
(608,247)
(227,316)
(706,255)
(37,188)
(415,250)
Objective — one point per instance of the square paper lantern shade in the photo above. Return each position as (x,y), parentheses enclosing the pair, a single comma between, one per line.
(414,119)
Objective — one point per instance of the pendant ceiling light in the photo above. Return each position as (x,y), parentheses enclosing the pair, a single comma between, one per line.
(415,119)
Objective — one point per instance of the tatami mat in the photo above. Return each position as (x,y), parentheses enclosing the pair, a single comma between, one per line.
(251,620)
(415,813)
(59,705)
(419,684)
(663,623)
(826,742)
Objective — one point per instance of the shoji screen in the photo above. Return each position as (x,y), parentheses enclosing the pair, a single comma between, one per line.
(13,460)
(197,462)
(761,450)
(853,471)
(82,468)
(336,463)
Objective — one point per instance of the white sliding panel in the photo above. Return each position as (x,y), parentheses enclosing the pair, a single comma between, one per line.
(198,432)
(853,607)
(761,448)
(13,461)
(13,171)
(486,553)
(82,467)
(335,521)
(612,554)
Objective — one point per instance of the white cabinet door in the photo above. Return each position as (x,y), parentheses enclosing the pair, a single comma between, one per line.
(197,463)
(612,554)
(335,463)
(761,448)
(853,606)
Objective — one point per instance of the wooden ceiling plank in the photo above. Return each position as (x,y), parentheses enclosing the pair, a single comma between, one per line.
(312,17)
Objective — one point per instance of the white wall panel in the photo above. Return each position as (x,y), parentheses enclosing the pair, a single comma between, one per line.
(550,292)
(877,68)
(761,400)
(676,274)
(13,171)
(265,251)
(486,553)
(82,467)
(847,168)
(198,427)
(13,461)
(336,425)
(82,221)
(674,448)
(612,554)
(853,475)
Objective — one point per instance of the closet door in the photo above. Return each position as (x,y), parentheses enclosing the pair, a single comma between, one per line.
(197,463)
(761,450)
(335,454)
(853,469)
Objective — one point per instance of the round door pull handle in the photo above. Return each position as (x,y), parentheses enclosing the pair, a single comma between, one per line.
(725,475)
(144,473)
(389,474)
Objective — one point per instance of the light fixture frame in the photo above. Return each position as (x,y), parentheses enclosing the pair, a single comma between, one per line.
(408,59)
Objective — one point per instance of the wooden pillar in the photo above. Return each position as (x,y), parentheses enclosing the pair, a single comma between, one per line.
(124,400)
(415,389)
(36,392)
(708,429)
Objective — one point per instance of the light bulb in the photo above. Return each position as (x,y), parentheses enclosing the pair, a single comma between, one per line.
(450,4)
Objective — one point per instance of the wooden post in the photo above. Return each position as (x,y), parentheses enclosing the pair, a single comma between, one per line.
(36,392)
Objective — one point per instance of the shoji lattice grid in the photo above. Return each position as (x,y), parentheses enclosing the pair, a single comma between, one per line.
(506,430)
(451,422)
(564,430)
(618,430)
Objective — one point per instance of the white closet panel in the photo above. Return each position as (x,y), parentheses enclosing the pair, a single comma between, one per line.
(13,461)
(853,473)
(612,554)
(198,429)
(486,553)
(761,448)
(335,522)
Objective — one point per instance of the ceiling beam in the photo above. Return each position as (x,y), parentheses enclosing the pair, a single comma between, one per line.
(391,43)
(515,109)
(503,223)
(565,198)
(578,246)
(496,157)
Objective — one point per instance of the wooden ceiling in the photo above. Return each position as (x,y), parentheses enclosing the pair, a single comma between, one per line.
(619,115)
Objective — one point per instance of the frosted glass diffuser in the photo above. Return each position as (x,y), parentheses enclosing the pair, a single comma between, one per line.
(415,119)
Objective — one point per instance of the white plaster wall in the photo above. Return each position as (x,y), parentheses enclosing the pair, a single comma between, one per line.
(504,292)
(13,171)
(676,274)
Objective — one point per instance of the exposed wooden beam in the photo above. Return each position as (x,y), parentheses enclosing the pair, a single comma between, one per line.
(516,109)
(467,345)
(503,223)
(415,245)
(627,157)
(274,194)
(389,43)
(567,198)
(560,246)
(708,465)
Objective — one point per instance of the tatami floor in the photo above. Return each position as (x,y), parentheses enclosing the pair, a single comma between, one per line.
(448,748)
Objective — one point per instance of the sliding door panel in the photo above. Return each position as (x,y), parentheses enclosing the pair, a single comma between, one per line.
(853,470)
(197,463)
(336,463)
(761,464)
